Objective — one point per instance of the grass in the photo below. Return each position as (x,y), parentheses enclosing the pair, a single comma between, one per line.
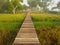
(9,26)
(47,28)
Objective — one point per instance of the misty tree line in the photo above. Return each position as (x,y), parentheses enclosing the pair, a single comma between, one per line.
(43,4)
(12,6)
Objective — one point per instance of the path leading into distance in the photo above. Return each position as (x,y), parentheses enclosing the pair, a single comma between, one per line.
(27,34)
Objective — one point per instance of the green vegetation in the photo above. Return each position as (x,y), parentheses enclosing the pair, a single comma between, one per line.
(10,6)
(47,28)
(9,26)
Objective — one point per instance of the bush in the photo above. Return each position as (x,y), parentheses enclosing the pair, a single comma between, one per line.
(54,12)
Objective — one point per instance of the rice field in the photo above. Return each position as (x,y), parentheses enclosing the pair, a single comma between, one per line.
(47,28)
(9,26)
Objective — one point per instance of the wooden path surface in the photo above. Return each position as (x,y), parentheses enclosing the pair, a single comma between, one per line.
(27,34)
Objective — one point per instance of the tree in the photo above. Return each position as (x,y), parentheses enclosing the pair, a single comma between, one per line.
(1,4)
(41,3)
(58,5)
(16,5)
(33,3)
(44,4)
(7,7)
(12,6)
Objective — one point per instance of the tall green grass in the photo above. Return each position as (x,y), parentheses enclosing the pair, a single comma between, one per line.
(47,28)
(9,27)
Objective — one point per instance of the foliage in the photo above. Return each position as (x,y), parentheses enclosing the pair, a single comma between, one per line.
(54,12)
(7,7)
(9,26)
(58,5)
(47,28)
(33,3)
(43,4)
(11,6)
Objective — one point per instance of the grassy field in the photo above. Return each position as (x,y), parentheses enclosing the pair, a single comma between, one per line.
(47,28)
(9,26)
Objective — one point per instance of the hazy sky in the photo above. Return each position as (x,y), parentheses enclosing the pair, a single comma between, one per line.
(25,2)
(53,3)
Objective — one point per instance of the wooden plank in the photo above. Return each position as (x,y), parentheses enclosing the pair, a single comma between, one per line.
(27,34)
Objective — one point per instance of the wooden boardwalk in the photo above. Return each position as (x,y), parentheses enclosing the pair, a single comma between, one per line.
(27,34)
